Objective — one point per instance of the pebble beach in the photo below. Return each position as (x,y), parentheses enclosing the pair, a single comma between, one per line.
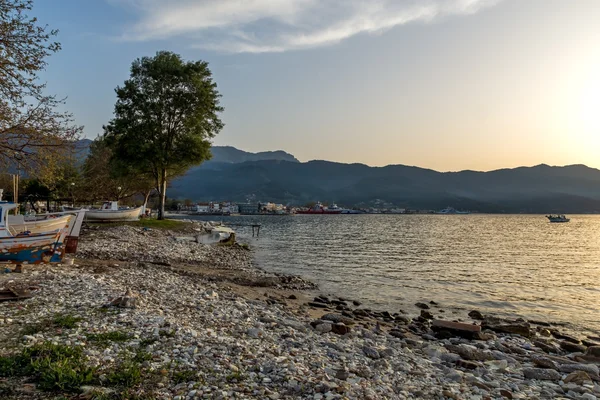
(150,316)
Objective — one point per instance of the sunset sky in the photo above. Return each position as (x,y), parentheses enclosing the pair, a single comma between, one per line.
(442,84)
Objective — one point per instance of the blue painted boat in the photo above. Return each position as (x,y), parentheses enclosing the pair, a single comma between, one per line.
(27,248)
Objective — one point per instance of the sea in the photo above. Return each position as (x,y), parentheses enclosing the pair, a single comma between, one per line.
(505,265)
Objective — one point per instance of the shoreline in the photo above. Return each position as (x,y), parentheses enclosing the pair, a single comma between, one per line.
(206,311)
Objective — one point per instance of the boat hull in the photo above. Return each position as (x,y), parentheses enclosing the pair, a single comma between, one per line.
(41,226)
(33,249)
(113,215)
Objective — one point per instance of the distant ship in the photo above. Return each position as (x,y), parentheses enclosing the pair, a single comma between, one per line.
(450,210)
(321,209)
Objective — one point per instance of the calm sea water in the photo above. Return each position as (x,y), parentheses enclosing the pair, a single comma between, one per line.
(504,264)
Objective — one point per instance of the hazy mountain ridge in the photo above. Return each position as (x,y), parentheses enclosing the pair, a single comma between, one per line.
(574,188)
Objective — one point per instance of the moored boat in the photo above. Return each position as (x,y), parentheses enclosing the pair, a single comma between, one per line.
(557,218)
(110,212)
(320,209)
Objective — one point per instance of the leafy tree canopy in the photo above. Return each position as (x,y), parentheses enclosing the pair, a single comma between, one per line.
(165,115)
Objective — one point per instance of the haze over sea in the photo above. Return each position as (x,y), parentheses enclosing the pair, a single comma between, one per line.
(506,265)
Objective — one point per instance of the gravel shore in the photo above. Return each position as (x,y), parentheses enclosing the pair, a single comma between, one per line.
(158,318)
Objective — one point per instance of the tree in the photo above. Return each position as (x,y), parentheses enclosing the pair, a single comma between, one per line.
(107,178)
(165,115)
(34,136)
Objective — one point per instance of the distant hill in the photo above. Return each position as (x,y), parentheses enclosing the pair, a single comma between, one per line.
(228,154)
(569,189)
(237,175)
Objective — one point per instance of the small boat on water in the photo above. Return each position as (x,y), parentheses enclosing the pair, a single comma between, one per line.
(557,218)
(110,212)
(31,248)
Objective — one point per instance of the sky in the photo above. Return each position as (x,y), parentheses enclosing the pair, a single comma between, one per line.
(441,84)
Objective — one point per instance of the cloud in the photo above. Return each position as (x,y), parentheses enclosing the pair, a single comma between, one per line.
(259,26)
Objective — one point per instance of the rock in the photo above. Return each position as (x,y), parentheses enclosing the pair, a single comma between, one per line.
(572,347)
(340,328)
(371,353)
(338,318)
(342,374)
(211,294)
(523,328)
(470,352)
(422,306)
(402,319)
(544,362)
(426,314)
(128,300)
(541,374)
(356,303)
(317,304)
(324,327)
(505,393)
(588,396)
(578,377)
(589,368)
(548,348)
(593,351)
(476,315)
(564,336)
(467,364)
(292,297)
(456,328)
(254,333)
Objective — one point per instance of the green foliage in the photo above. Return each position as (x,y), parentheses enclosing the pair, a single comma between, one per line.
(64,321)
(54,367)
(165,116)
(148,341)
(127,374)
(108,337)
(141,356)
(184,376)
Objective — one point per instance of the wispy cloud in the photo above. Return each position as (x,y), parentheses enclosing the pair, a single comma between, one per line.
(258,26)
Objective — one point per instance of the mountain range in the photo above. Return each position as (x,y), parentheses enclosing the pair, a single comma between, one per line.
(268,176)
(277,176)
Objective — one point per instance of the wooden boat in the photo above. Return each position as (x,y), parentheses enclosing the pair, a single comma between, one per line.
(28,248)
(110,212)
(18,224)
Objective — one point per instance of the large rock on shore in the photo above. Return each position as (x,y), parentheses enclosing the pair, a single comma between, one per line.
(516,328)
(541,374)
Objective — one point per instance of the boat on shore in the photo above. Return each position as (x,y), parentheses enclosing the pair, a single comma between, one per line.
(320,209)
(31,248)
(110,212)
(557,218)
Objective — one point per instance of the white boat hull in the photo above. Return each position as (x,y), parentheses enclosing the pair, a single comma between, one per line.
(113,215)
(40,226)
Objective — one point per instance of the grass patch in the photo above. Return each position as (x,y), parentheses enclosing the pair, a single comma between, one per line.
(169,334)
(126,375)
(66,321)
(148,341)
(142,356)
(108,337)
(52,367)
(59,321)
(184,376)
(235,376)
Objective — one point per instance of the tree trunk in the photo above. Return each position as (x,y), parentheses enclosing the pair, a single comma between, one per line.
(163,194)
